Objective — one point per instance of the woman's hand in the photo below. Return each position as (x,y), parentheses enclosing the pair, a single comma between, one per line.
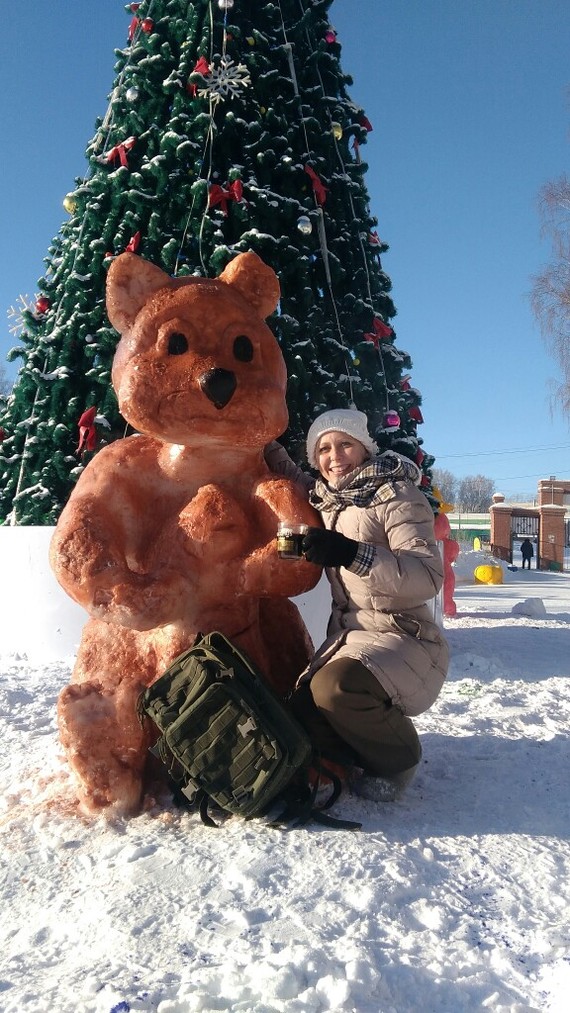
(328,548)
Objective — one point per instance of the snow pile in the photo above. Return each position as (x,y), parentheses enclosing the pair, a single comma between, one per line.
(453,897)
(533,607)
(469,559)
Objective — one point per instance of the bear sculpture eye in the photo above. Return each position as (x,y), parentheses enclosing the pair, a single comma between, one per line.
(243,348)
(177,344)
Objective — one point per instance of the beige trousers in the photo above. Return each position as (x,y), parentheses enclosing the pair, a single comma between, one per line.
(351,719)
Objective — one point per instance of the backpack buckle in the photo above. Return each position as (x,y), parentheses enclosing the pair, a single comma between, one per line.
(240,794)
(190,790)
(247,726)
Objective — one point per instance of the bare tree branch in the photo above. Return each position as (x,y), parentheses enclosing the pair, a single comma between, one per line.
(446,482)
(475,493)
(550,296)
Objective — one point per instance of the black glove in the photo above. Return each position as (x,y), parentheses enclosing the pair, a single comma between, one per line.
(328,548)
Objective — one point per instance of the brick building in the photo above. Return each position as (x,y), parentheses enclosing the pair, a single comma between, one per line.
(547,524)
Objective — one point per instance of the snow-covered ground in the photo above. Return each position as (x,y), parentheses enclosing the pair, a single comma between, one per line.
(453,898)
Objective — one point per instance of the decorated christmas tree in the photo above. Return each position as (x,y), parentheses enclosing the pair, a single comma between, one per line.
(229,128)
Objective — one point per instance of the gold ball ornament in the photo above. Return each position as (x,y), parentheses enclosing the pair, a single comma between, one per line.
(70,204)
(356,362)
(337,130)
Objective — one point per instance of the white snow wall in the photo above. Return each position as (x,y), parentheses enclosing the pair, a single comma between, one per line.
(38,619)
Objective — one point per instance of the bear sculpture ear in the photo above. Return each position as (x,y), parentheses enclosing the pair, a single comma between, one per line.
(130,282)
(257,282)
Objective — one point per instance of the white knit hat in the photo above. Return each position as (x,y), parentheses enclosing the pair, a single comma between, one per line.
(341,420)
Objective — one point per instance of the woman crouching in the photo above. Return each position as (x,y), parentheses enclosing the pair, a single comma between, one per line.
(384,659)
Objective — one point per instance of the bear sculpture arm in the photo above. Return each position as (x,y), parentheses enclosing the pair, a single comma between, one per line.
(100,555)
(263,572)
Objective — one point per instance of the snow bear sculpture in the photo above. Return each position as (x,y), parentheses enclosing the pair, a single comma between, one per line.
(171,532)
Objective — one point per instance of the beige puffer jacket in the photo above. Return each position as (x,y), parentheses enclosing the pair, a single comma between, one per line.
(382,619)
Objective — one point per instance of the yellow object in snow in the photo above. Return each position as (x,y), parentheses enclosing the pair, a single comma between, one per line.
(488,574)
(477,544)
(444,508)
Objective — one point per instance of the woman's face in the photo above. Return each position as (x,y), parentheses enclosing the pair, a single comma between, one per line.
(338,454)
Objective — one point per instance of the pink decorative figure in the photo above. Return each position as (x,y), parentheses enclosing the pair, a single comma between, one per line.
(171,532)
(450,550)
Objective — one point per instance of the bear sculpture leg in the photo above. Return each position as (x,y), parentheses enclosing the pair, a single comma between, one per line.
(105,744)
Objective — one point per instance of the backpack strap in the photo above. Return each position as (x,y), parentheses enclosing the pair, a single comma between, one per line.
(336,783)
(203,799)
(294,808)
(299,807)
(332,821)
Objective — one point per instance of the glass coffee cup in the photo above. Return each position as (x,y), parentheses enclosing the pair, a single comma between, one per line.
(290,539)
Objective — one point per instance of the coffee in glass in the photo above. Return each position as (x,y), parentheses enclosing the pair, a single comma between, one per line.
(290,539)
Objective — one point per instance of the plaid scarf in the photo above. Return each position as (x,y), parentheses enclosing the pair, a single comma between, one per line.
(363,487)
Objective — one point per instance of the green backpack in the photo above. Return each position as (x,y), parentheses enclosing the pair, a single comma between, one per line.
(227,738)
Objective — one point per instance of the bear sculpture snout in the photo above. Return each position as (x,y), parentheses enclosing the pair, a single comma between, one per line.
(218,385)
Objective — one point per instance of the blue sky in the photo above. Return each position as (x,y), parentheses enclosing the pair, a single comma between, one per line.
(470,105)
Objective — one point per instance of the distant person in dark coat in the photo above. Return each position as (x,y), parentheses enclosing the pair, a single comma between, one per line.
(527,552)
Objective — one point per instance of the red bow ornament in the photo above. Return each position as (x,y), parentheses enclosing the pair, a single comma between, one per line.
(405,383)
(365,122)
(87,431)
(120,151)
(319,189)
(133,244)
(135,22)
(381,330)
(201,67)
(220,196)
(147,24)
(415,414)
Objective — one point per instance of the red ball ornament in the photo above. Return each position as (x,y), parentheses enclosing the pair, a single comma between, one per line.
(3,434)
(42,304)
(391,422)
(330,35)
(147,25)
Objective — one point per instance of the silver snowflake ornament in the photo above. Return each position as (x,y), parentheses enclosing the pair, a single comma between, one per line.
(225,81)
(15,313)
